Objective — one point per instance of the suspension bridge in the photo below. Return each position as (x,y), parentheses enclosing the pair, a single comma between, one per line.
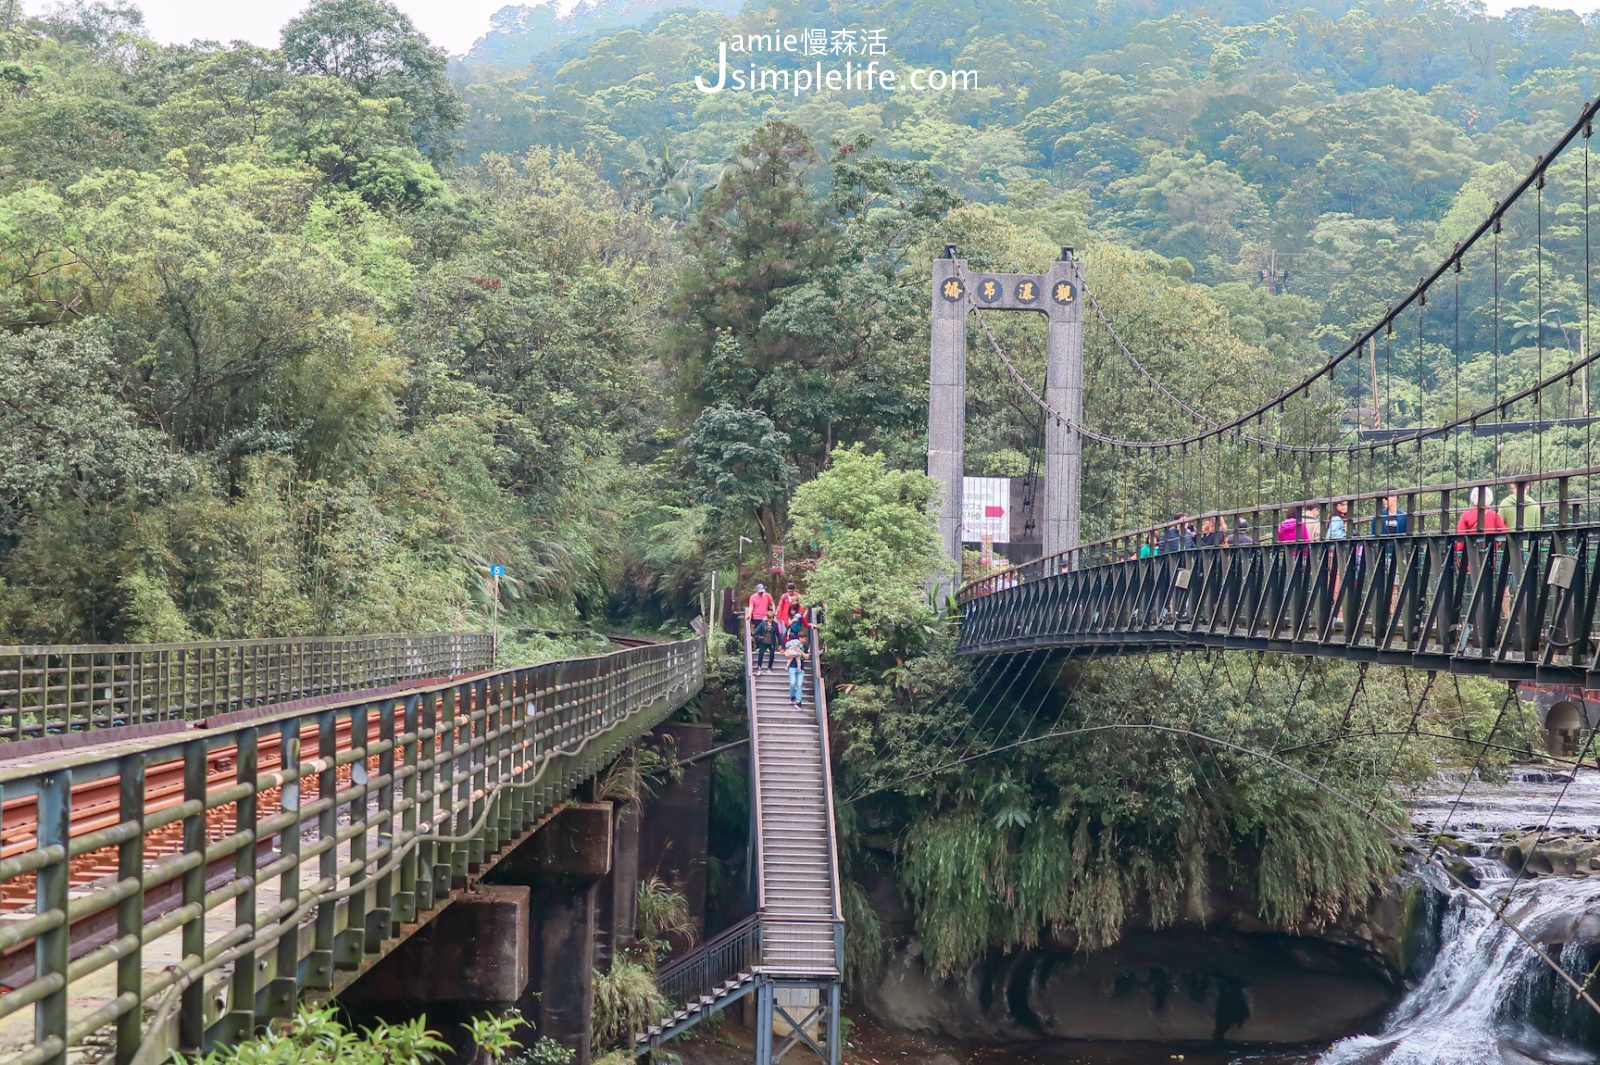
(1487,567)
(199,836)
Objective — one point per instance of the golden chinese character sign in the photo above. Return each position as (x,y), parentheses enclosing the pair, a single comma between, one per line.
(1008,292)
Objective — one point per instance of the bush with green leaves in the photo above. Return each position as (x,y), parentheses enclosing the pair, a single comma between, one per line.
(315,1034)
(626,1001)
(872,528)
(545,1052)
(1105,804)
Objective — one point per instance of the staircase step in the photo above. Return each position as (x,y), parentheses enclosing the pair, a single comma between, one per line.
(797,861)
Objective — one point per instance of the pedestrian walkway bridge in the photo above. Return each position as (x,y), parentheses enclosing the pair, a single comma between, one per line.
(1519,605)
(195,835)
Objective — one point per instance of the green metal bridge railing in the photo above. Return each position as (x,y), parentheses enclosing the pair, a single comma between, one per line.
(51,689)
(181,890)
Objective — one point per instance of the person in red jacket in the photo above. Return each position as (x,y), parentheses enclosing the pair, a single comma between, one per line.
(1479,500)
(786,606)
(1492,521)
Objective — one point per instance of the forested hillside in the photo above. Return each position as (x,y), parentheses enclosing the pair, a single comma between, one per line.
(304,339)
(1304,163)
(1211,132)
(275,363)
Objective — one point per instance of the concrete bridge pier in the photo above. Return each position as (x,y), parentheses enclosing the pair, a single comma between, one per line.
(1563,729)
(619,891)
(555,910)
(675,821)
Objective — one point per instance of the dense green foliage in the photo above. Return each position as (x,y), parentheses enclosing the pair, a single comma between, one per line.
(332,374)
(1342,149)
(871,528)
(1208,132)
(270,371)
(1110,813)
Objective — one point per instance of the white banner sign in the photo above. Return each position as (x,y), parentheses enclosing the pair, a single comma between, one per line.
(985,506)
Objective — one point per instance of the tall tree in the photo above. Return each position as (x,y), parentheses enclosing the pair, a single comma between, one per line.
(761,233)
(804,308)
(373,46)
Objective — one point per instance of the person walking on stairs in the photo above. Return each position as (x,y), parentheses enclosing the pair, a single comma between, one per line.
(795,652)
(759,612)
(788,605)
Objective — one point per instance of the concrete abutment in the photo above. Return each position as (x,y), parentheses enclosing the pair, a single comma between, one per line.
(553,911)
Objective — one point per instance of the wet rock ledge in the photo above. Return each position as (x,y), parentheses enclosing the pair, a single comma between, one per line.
(1221,976)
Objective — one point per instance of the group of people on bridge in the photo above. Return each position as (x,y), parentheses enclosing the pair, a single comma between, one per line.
(1305,523)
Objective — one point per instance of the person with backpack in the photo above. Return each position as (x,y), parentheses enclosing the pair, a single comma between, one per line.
(759,611)
(795,652)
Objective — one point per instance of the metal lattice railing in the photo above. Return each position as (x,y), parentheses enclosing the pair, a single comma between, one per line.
(52,689)
(1518,605)
(179,890)
(717,963)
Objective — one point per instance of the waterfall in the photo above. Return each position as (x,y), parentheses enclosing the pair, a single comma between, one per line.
(1487,999)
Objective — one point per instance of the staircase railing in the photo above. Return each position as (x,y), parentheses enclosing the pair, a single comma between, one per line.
(756,867)
(713,964)
(827,786)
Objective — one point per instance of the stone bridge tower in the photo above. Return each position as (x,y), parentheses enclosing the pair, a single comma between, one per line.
(1058,295)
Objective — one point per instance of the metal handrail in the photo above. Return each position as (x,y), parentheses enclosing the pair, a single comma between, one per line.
(52,689)
(1520,605)
(406,800)
(713,963)
(827,773)
(1104,550)
(755,767)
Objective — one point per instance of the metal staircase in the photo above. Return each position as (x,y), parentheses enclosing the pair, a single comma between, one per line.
(791,952)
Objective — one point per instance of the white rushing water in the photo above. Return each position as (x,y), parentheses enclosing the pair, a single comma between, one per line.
(1474,1004)
(1483,811)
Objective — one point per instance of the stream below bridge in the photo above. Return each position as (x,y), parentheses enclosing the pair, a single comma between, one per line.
(1484,999)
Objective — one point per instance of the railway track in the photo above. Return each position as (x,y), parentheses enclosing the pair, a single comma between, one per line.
(96,805)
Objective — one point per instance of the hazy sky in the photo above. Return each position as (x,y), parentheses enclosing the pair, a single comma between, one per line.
(454,24)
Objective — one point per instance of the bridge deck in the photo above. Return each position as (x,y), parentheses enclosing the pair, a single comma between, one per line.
(228,869)
(1520,605)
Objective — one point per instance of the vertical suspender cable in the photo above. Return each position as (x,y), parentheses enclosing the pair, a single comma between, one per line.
(1455,372)
(1499,412)
(1588,315)
(1538,325)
